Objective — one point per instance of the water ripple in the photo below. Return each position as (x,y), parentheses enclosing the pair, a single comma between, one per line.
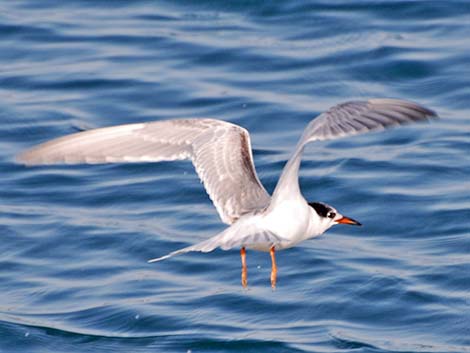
(76,239)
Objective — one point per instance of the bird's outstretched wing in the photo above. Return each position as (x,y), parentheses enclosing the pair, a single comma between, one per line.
(220,151)
(347,119)
(357,117)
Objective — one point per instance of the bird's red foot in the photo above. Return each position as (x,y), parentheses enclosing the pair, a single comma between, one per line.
(273,268)
(244,272)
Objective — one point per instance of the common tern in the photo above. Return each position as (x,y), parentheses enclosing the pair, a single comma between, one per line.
(221,154)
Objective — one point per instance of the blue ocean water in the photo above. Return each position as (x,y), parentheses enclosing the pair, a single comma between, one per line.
(75,240)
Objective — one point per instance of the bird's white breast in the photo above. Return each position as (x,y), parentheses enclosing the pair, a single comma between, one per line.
(289,220)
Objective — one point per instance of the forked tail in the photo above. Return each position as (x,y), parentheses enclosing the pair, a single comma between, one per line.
(243,233)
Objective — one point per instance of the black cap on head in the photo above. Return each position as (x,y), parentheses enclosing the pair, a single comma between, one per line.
(321,208)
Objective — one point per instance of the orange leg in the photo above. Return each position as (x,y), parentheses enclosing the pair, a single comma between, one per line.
(273,268)
(244,277)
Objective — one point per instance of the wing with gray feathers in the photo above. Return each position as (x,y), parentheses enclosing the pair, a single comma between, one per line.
(220,151)
(357,117)
(347,119)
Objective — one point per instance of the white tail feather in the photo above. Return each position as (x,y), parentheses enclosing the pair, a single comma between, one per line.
(205,246)
(244,232)
(182,251)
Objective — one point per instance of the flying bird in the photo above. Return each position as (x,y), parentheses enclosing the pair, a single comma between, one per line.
(221,154)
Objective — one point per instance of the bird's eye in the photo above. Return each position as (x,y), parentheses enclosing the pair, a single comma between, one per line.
(331,215)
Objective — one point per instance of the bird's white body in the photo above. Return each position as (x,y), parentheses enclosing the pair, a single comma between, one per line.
(292,221)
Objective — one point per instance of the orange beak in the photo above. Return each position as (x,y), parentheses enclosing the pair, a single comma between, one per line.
(346,220)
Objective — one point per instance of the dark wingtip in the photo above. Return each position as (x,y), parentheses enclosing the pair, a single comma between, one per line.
(426,113)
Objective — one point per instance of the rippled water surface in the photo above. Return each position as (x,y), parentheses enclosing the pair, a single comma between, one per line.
(75,240)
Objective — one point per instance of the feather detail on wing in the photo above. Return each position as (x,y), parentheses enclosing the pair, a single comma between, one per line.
(347,119)
(357,117)
(220,151)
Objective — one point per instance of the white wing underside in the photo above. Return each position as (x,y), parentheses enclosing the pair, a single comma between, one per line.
(220,151)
